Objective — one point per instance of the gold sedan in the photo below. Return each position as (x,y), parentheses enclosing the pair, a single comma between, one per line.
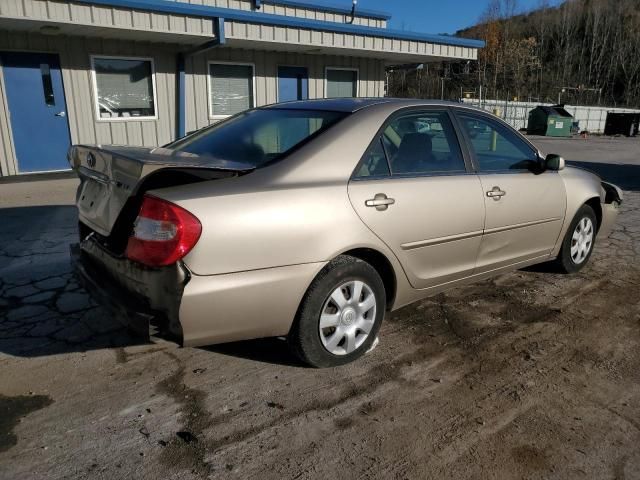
(313,219)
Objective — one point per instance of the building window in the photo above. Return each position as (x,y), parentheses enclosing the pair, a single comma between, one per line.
(230,89)
(124,88)
(342,82)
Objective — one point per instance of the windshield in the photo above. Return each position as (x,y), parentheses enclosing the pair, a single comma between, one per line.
(258,137)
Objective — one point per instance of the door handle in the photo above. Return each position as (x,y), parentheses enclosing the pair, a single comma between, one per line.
(496,193)
(61,114)
(380,201)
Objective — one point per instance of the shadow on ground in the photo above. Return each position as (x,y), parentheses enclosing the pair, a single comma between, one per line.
(43,310)
(265,350)
(625,176)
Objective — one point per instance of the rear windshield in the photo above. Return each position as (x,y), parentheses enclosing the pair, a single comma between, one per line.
(258,137)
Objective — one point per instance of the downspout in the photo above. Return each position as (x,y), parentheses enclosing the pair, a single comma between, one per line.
(181,90)
(181,95)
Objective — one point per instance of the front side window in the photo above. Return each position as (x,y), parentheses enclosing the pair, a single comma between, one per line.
(230,89)
(258,137)
(495,147)
(423,143)
(124,88)
(342,83)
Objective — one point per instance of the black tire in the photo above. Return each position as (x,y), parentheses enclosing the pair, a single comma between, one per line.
(304,337)
(565,262)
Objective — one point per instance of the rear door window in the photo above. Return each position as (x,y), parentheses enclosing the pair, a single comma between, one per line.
(416,143)
(375,162)
(423,143)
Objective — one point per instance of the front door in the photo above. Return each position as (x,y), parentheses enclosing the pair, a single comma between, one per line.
(293,84)
(415,192)
(524,208)
(37,109)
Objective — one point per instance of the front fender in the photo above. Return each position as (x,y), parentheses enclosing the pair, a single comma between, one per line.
(582,186)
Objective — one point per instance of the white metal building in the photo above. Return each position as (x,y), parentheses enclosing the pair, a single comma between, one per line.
(144,72)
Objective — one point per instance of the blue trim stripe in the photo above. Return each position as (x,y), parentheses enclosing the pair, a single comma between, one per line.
(182,8)
(331,8)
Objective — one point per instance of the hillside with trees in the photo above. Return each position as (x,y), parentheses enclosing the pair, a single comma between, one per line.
(580,52)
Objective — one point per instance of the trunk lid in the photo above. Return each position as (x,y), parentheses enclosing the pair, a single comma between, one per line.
(112,177)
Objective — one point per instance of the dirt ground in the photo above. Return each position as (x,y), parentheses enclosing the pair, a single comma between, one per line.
(529,375)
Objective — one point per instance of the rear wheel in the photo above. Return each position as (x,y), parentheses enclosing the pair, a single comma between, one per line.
(340,315)
(578,242)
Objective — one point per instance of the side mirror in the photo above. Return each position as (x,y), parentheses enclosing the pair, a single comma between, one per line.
(554,162)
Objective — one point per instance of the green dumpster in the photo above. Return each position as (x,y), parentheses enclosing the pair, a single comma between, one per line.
(552,121)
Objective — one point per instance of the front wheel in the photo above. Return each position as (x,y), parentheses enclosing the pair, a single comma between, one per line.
(578,242)
(340,315)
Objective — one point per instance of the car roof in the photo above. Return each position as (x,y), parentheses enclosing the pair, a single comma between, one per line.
(351,105)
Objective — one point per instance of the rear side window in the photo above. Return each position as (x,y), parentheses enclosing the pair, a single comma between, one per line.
(417,143)
(374,163)
(258,137)
(495,147)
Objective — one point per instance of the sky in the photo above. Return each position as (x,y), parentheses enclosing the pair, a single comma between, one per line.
(428,16)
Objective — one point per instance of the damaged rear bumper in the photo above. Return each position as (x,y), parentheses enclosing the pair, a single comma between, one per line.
(146,300)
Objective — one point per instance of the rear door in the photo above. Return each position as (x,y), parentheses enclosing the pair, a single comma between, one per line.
(524,208)
(414,190)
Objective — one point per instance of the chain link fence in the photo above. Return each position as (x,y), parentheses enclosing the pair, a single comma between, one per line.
(591,119)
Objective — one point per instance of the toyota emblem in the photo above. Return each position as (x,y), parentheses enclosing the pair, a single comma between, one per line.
(91,160)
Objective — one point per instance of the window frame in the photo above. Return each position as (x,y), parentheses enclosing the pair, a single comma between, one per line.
(500,126)
(94,81)
(211,114)
(466,157)
(278,78)
(349,69)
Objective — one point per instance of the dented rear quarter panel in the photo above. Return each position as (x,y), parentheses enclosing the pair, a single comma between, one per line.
(293,212)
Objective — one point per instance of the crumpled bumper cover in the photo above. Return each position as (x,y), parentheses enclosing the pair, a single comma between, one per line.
(146,300)
(613,198)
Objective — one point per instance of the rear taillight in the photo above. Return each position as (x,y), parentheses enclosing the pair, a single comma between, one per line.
(163,233)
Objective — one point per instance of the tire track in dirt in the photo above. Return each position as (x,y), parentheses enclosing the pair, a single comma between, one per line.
(457,434)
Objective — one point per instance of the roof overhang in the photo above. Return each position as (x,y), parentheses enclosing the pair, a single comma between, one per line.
(258,18)
(182,41)
(65,17)
(191,24)
(361,12)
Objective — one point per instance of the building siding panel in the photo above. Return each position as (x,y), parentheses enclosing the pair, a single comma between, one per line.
(74,53)
(299,12)
(35,8)
(371,76)
(63,11)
